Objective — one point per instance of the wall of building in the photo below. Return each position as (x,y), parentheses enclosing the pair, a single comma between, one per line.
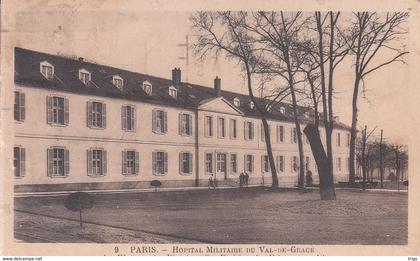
(36,136)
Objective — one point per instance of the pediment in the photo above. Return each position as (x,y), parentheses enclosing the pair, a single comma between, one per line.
(219,104)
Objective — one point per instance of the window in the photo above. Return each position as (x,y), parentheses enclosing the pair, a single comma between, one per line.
(280,134)
(348,140)
(208,122)
(221,128)
(147,87)
(19,106)
(128,117)
(282,110)
(233,163)
(294,164)
(185,163)
(236,102)
(209,163)
(118,82)
(348,164)
(160,121)
(160,162)
(57,110)
(265,165)
(97,165)
(19,161)
(280,163)
(251,105)
(47,70)
(173,92)
(338,164)
(233,129)
(84,76)
(263,132)
(185,124)
(307,163)
(131,164)
(249,130)
(58,162)
(293,135)
(338,139)
(249,163)
(96,114)
(221,162)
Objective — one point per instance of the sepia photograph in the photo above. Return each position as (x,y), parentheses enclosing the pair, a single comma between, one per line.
(205,129)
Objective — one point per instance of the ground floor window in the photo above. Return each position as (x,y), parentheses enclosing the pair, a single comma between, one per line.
(249,163)
(265,166)
(58,162)
(294,164)
(19,161)
(131,162)
(185,163)
(160,163)
(280,162)
(97,159)
(338,164)
(209,162)
(307,164)
(233,163)
(221,162)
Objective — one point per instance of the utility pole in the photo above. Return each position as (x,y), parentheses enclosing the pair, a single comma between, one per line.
(381,162)
(363,157)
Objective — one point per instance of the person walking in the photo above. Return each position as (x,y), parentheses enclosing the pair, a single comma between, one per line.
(241,179)
(246,178)
(211,182)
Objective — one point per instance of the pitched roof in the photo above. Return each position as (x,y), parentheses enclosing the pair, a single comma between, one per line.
(27,72)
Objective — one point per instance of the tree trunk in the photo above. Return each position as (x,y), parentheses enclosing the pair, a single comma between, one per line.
(275,181)
(353,133)
(326,180)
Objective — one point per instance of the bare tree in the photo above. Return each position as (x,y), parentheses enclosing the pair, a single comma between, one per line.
(223,33)
(375,42)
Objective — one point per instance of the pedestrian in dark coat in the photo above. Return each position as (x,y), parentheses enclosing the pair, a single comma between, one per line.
(246,178)
(241,179)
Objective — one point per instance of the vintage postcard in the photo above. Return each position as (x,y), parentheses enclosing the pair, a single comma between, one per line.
(209,128)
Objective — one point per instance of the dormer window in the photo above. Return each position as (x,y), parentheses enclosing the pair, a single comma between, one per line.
(117,81)
(84,76)
(47,70)
(306,114)
(147,87)
(173,92)
(236,102)
(251,105)
(269,108)
(282,110)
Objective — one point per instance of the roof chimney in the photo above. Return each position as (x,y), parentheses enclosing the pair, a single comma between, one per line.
(176,76)
(217,87)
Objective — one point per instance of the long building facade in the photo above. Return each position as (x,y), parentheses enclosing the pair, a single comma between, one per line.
(84,126)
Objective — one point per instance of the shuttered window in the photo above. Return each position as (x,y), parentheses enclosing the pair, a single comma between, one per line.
(280,134)
(233,129)
(128,118)
(19,161)
(265,166)
(97,162)
(185,124)
(130,162)
(159,121)
(57,110)
(58,162)
(185,163)
(19,106)
(208,126)
(249,163)
(221,127)
(160,162)
(248,130)
(209,163)
(233,163)
(280,163)
(96,114)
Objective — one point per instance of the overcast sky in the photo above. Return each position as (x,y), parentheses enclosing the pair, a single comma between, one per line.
(147,42)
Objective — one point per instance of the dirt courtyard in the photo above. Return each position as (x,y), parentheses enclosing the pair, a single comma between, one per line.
(225,216)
